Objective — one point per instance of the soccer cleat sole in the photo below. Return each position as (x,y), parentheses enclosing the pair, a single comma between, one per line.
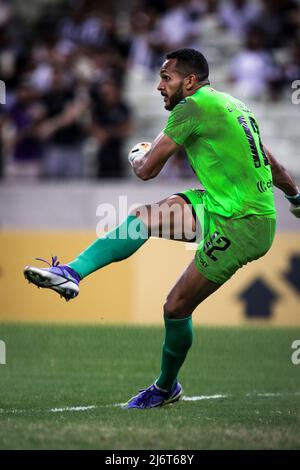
(173,399)
(67,289)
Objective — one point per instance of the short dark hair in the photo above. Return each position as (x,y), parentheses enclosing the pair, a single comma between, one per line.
(190,61)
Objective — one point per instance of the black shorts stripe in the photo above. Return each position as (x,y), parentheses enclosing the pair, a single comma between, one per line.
(185,197)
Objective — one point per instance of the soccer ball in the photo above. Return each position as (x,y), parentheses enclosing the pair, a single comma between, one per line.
(139,150)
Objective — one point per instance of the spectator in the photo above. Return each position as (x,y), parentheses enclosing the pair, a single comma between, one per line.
(25,116)
(111,124)
(279,20)
(108,65)
(292,68)
(177,27)
(253,70)
(81,28)
(237,15)
(41,74)
(141,56)
(62,130)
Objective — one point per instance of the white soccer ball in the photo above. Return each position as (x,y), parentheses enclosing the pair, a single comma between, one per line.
(139,150)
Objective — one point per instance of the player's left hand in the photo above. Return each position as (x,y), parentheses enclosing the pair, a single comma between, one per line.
(295,210)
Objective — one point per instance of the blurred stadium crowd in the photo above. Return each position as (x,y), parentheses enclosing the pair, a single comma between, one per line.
(65,70)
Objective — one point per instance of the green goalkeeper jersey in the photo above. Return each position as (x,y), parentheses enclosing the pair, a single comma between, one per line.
(224,148)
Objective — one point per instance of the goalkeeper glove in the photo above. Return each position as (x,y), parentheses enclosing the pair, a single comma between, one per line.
(294,204)
(139,150)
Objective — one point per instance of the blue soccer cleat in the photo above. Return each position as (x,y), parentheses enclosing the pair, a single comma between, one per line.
(60,278)
(153,397)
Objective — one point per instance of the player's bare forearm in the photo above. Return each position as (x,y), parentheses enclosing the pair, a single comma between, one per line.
(281,178)
(149,165)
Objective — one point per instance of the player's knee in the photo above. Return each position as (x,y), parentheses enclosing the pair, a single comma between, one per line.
(151,217)
(176,307)
(142,212)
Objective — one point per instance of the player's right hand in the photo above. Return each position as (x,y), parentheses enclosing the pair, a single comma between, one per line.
(139,150)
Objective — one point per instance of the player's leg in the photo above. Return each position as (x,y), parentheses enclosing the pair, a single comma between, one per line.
(227,245)
(189,291)
(116,245)
(172,218)
(169,218)
(166,218)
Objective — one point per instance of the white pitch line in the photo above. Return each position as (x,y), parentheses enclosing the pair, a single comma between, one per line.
(271,394)
(83,408)
(60,410)
(72,408)
(86,408)
(14,411)
(203,397)
(184,398)
(93,407)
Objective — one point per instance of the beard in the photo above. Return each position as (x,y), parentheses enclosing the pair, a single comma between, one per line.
(175,99)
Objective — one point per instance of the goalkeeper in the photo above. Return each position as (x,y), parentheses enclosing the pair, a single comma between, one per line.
(235,212)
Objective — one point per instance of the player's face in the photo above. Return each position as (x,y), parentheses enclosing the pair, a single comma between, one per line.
(171,84)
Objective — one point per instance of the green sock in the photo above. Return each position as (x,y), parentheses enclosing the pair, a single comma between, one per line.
(178,340)
(116,245)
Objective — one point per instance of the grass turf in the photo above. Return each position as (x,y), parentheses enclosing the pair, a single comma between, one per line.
(68,366)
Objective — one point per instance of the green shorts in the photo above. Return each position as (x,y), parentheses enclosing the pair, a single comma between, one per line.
(227,244)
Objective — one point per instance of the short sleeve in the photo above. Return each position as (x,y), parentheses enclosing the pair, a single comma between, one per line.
(182,121)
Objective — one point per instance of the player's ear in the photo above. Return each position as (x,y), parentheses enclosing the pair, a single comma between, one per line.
(190,81)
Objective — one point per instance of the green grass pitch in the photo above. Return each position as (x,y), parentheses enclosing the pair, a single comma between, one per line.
(51,369)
